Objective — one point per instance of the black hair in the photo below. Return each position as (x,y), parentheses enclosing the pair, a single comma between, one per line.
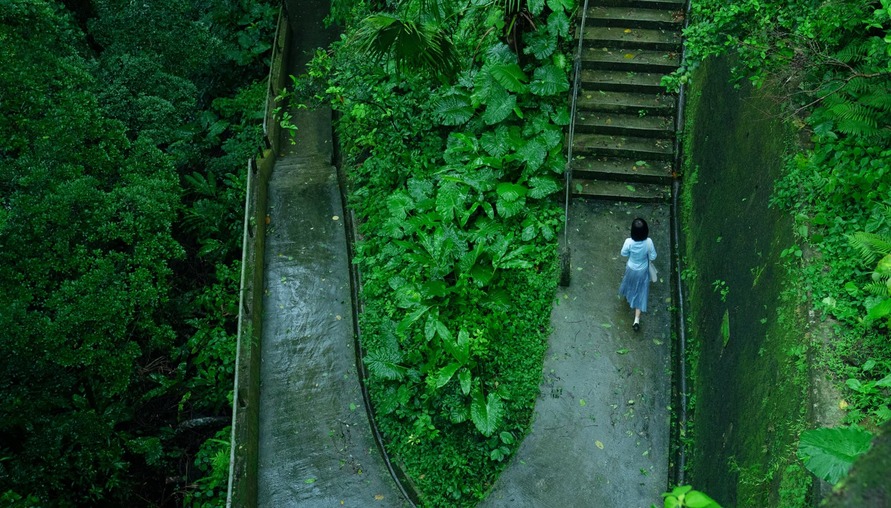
(639,230)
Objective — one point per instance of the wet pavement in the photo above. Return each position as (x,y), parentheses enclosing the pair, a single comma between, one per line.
(316,447)
(315,442)
(600,435)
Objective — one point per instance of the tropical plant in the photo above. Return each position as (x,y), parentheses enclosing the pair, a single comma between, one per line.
(874,247)
(452,186)
(830,452)
(685,496)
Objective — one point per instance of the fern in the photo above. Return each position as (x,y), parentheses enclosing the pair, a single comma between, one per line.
(871,246)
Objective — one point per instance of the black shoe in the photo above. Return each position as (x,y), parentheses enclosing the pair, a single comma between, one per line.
(636,327)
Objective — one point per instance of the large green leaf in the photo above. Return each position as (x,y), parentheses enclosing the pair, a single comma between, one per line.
(557,5)
(384,362)
(499,105)
(549,80)
(540,43)
(510,76)
(533,152)
(830,452)
(450,200)
(443,375)
(493,143)
(561,116)
(460,349)
(535,6)
(464,379)
(543,186)
(558,24)
(880,310)
(400,204)
(486,413)
(511,191)
(454,109)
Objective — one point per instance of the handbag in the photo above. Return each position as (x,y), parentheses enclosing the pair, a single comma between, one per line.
(654,277)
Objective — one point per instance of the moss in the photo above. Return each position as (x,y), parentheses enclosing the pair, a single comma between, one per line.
(750,389)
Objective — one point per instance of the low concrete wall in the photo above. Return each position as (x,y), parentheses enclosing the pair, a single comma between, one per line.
(243,467)
(245,407)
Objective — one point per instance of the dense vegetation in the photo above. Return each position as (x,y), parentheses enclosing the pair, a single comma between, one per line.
(126,127)
(452,135)
(829,65)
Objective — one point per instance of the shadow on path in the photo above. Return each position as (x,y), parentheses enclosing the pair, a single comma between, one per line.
(600,435)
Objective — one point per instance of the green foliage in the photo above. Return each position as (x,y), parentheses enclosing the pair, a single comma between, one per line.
(406,43)
(452,185)
(685,496)
(120,285)
(212,460)
(830,452)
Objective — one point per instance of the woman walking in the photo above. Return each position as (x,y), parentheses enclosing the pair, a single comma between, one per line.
(640,252)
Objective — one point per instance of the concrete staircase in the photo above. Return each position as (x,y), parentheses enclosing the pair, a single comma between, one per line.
(625,122)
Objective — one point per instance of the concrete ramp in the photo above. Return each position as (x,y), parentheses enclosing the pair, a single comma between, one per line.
(315,443)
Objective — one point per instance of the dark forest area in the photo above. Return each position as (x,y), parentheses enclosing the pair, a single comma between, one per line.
(126,129)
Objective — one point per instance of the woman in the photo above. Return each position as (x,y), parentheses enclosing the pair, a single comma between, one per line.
(640,252)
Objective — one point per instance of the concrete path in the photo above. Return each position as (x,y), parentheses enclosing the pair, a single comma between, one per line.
(316,447)
(601,431)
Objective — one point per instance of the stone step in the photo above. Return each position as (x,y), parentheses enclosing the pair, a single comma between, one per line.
(622,170)
(623,146)
(642,38)
(621,191)
(622,81)
(631,17)
(646,4)
(647,126)
(641,104)
(632,60)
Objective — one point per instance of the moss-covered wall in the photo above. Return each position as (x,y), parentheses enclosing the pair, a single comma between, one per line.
(748,359)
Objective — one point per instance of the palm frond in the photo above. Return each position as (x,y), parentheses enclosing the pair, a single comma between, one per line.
(409,45)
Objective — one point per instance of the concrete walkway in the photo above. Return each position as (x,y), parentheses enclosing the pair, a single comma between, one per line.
(601,431)
(315,443)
